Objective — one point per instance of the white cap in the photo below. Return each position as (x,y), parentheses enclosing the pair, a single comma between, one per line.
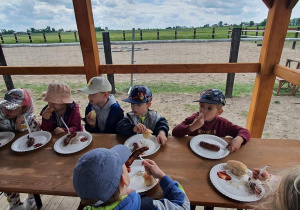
(97,85)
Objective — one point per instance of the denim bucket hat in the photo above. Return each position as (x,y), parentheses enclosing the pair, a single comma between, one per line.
(212,96)
(98,172)
(139,94)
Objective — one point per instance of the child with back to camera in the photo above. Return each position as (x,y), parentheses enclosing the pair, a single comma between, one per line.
(101,180)
(208,121)
(141,117)
(60,105)
(16,106)
(103,112)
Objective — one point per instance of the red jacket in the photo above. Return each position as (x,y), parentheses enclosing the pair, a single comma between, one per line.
(219,127)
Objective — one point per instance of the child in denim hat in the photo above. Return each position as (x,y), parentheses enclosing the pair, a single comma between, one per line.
(61,106)
(101,180)
(207,121)
(16,106)
(141,117)
(108,112)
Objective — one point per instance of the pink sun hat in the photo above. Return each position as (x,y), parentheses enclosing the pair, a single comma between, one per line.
(58,94)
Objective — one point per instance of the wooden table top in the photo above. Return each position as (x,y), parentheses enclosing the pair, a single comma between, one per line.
(43,171)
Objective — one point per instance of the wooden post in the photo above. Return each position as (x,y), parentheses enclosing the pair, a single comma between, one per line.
(16,38)
(296,35)
(44,35)
(275,33)
(176,33)
(29,36)
(124,36)
(7,78)
(1,38)
(246,31)
(157,35)
(108,59)
(194,33)
(141,35)
(59,37)
(75,35)
(228,33)
(234,53)
(256,33)
(132,59)
(87,37)
(263,33)
(213,33)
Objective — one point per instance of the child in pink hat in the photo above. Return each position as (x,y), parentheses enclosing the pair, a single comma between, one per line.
(61,108)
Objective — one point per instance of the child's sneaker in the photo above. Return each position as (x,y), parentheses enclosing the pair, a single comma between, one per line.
(29,203)
(20,207)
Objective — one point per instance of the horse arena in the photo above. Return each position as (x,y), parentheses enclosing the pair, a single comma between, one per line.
(284,111)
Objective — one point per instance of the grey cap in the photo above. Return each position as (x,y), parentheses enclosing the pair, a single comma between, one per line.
(97,85)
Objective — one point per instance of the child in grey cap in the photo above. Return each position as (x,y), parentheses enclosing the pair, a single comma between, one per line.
(101,180)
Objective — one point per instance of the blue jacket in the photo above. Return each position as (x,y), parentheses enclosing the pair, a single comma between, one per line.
(175,199)
(116,114)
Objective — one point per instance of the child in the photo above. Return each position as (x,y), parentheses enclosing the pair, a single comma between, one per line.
(108,111)
(282,192)
(141,117)
(60,105)
(101,180)
(207,121)
(16,106)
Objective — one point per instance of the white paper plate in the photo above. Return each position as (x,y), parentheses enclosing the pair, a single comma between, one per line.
(151,143)
(41,137)
(72,148)
(136,178)
(236,188)
(194,144)
(6,137)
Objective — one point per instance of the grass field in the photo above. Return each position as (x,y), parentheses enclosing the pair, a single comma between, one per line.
(147,34)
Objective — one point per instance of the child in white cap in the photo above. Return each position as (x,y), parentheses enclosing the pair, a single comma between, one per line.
(60,109)
(101,180)
(103,112)
(16,106)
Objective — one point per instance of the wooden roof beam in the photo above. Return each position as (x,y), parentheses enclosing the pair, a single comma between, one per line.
(288,74)
(292,3)
(268,3)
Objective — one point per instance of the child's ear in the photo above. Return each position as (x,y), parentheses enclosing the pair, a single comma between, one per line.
(124,181)
(220,111)
(148,105)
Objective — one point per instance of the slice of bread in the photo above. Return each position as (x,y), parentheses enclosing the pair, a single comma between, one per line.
(92,115)
(236,167)
(148,179)
(147,134)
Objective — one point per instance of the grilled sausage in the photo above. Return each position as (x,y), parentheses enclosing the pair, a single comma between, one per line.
(209,146)
(135,146)
(135,154)
(68,138)
(30,141)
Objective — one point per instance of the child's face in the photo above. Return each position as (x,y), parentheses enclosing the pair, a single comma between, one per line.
(10,114)
(140,109)
(57,107)
(210,111)
(98,98)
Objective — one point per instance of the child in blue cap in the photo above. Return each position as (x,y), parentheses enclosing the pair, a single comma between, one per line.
(101,180)
(208,121)
(141,117)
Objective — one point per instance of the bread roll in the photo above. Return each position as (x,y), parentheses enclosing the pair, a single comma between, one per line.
(92,115)
(49,110)
(237,168)
(147,134)
(148,179)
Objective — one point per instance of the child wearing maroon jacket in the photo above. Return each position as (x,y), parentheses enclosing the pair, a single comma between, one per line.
(208,121)
(60,109)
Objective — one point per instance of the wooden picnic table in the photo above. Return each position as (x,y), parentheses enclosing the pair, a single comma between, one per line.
(43,171)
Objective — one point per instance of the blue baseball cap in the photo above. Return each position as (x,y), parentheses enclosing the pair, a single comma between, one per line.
(139,94)
(212,96)
(98,173)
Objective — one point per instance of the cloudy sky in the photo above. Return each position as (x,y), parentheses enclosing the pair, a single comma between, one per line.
(20,15)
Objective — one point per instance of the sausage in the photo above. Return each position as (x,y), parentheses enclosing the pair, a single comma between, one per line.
(30,141)
(253,187)
(209,146)
(135,154)
(68,138)
(135,146)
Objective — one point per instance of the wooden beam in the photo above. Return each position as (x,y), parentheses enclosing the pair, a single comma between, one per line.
(87,36)
(274,37)
(41,70)
(288,74)
(291,4)
(268,3)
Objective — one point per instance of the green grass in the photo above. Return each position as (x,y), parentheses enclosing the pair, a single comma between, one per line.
(245,113)
(191,108)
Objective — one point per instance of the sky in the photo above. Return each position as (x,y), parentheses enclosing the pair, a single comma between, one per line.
(20,15)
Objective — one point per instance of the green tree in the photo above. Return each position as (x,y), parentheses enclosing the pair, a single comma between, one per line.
(251,23)
(264,22)
(220,24)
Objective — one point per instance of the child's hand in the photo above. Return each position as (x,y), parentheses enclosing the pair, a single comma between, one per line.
(19,122)
(91,121)
(235,144)
(153,169)
(139,128)
(263,177)
(197,123)
(161,138)
(59,130)
(46,115)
